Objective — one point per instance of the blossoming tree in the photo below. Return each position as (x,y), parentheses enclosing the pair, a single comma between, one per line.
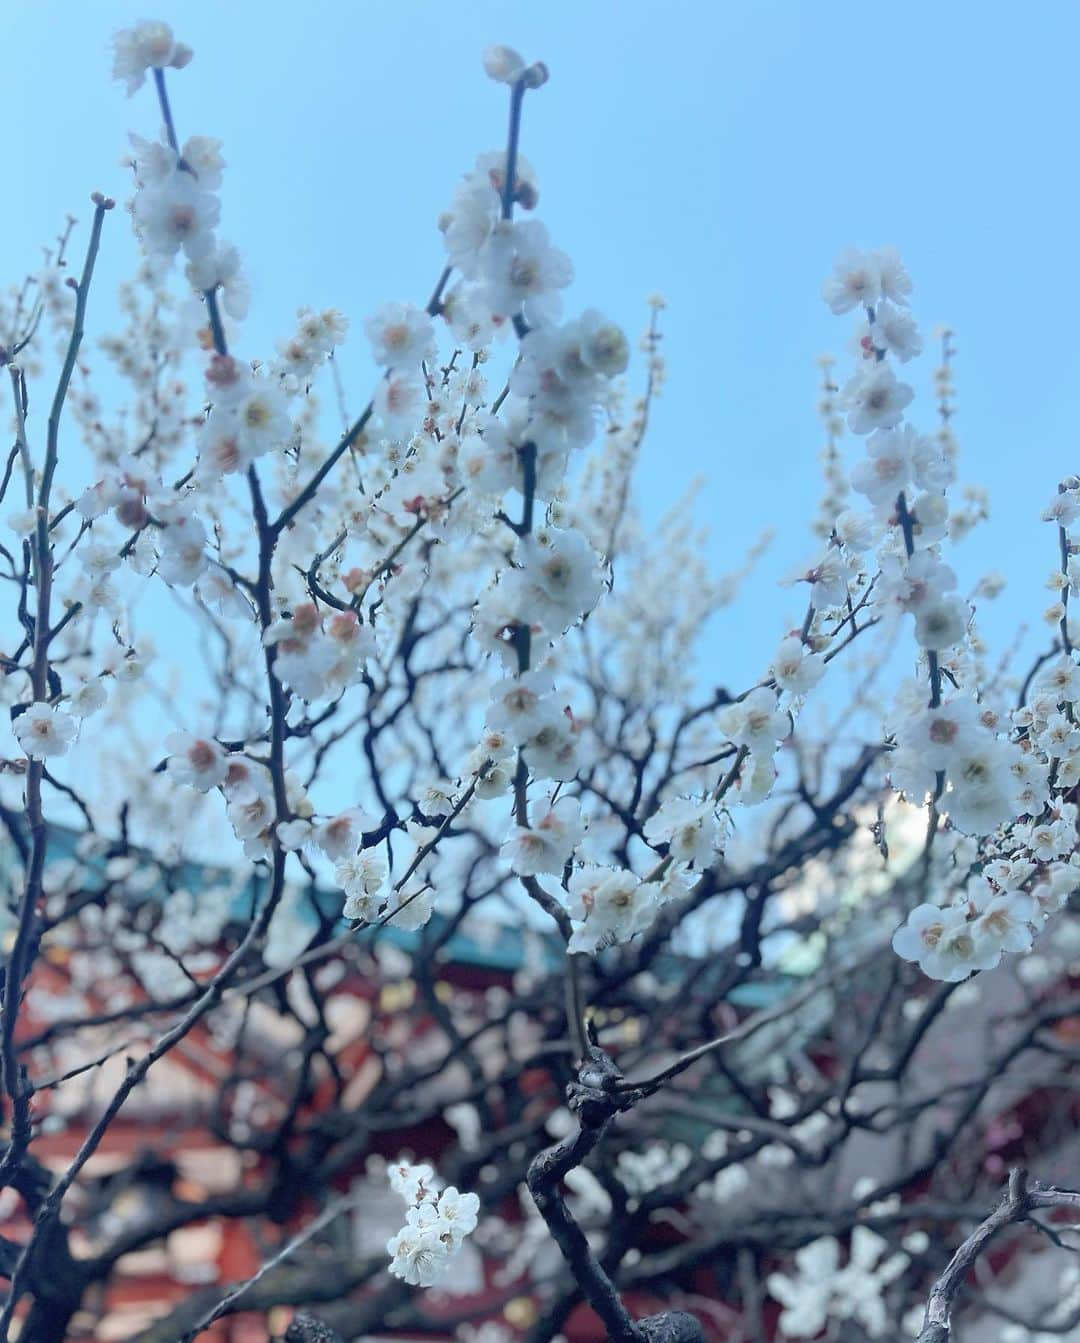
(436,683)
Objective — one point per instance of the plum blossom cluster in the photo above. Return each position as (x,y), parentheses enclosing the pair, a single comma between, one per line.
(1008,885)
(999,778)
(692,831)
(249,417)
(338,580)
(904,475)
(319,658)
(176,207)
(442,441)
(316,337)
(511,276)
(137,500)
(247,785)
(436,1224)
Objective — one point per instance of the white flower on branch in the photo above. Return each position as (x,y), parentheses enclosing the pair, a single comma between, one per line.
(221,269)
(887,467)
(562,575)
(690,829)
(797,670)
(148,46)
(874,399)
(176,213)
(198,762)
(436,1224)
(755,722)
(401,336)
(546,845)
(894,331)
(855,281)
(608,905)
(522,272)
(44,730)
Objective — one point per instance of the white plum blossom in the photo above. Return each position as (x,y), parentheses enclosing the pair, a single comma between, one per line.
(856,531)
(522,272)
(796,669)
(689,828)
(894,330)
(887,467)
(1008,919)
(411,906)
(954,752)
(339,837)
(829,578)
(149,45)
(552,750)
(262,419)
(87,697)
(458,1213)
(45,730)
(921,936)
(941,621)
(414,1183)
(363,878)
(941,734)
(177,213)
(400,402)
(181,551)
(562,575)
(251,806)
(755,721)
(221,269)
(466,227)
(317,334)
(875,400)
(401,336)
(895,281)
(546,845)
(330,546)
(949,946)
(522,705)
(1062,679)
(222,450)
(1063,509)
(318,660)
(855,281)
(198,762)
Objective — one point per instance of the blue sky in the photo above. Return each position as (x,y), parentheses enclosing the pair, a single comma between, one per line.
(721,153)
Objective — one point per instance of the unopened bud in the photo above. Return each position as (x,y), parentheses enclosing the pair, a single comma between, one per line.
(224,371)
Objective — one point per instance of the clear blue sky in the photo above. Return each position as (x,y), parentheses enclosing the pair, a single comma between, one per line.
(720,153)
